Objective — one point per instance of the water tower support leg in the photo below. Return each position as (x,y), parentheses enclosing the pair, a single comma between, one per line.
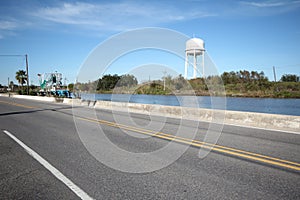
(203,65)
(186,66)
(195,65)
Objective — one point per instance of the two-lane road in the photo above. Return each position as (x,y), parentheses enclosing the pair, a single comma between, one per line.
(245,164)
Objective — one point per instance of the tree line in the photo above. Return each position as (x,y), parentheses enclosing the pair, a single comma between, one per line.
(107,83)
(236,83)
(243,77)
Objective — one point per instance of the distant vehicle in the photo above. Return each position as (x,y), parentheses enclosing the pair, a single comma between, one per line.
(57,93)
(63,93)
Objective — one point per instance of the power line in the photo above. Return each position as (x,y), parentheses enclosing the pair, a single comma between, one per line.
(291,65)
(8,55)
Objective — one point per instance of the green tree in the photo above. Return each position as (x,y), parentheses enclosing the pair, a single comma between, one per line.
(226,78)
(108,82)
(180,82)
(168,80)
(11,85)
(254,76)
(262,77)
(230,77)
(21,77)
(127,80)
(289,78)
(71,86)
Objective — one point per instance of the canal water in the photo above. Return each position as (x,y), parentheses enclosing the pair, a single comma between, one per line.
(262,105)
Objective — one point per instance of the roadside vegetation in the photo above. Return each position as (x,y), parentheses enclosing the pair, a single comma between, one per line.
(254,84)
(236,84)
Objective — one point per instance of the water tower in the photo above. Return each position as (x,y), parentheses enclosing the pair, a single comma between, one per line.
(195,50)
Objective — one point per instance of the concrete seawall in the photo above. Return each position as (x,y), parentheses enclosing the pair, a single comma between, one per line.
(38,98)
(245,119)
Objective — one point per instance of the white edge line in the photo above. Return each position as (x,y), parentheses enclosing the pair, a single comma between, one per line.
(78,191)
(266,129)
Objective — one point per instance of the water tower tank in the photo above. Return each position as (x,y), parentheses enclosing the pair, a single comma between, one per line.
(195,46)
(195,49)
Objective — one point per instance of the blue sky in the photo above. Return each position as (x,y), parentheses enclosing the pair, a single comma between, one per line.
(59,35)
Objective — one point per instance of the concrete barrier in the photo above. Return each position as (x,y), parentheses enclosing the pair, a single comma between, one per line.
(38,98)
(245,119)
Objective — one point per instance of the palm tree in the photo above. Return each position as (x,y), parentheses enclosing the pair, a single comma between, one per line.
(254,75)
(21,77)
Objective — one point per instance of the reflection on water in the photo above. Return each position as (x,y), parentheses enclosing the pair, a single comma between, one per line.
(263,105)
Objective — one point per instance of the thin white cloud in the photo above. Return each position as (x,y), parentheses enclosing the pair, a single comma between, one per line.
(115,16)
(266,8)
(269,4)
(111,16)
(264,4)
(8,25)
(77,13)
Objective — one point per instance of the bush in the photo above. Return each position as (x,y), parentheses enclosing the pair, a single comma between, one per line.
(21,92)
(33,93)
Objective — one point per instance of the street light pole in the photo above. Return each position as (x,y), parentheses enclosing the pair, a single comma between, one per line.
(164,80)
(27,74)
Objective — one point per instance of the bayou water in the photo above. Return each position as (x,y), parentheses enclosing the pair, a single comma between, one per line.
(261,105)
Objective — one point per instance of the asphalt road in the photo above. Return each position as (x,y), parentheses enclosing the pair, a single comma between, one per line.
(246,163)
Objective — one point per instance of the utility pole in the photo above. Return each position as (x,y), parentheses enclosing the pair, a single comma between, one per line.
(27,74)
(165,79)
(8,89)
(274,74)
(275,78)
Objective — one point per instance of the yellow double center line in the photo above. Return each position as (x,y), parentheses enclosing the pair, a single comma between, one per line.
(196,143)
(17,104)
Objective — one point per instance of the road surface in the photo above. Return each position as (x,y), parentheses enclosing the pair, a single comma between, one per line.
(246,163)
